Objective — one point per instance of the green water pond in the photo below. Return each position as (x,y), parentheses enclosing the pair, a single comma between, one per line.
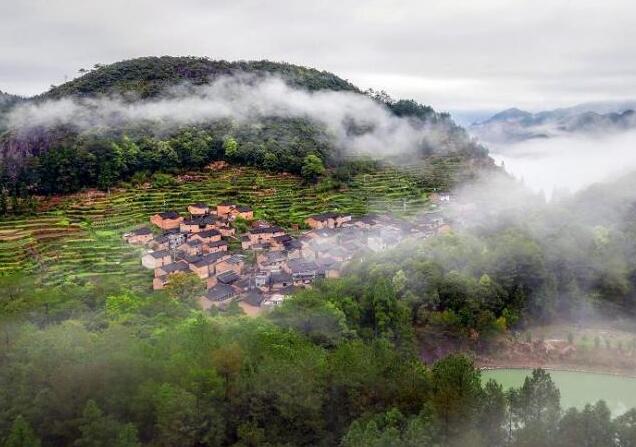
(577,388)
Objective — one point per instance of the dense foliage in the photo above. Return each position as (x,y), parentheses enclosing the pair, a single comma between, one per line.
(126,369)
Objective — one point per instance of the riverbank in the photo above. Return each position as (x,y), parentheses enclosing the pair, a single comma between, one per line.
(602,347)
(565,367)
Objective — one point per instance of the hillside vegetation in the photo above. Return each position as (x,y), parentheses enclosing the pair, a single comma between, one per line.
(78,238)
(63,157)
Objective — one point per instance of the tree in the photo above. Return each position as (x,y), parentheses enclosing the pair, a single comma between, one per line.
(99,430)
(536,409)
(228,360)
(177,420)
(185,287)
(493,413)
(230,147)
(456,393)
(591,427)
(626,429)
(270,161)
(21,434)
(313,167)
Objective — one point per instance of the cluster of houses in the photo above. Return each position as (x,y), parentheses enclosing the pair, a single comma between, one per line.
(271,263)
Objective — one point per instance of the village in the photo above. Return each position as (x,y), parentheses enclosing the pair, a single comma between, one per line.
(265,264)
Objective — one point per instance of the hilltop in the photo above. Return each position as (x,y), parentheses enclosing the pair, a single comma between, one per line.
(169,114)
(151,76)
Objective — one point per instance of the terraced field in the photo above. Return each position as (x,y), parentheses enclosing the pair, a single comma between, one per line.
(80,238)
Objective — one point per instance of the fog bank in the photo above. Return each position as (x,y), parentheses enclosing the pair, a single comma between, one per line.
(354,121)
(569,162)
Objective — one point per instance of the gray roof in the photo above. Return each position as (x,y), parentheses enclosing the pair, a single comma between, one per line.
(299,266)
(254,298)
(208,233)
(280,277)
(169,215)
(235,259)
(141,231)
(274,256)
(179,266)
(159,254)
(266,230)
(208,259)
(228,277)
(324,216)
(220,292)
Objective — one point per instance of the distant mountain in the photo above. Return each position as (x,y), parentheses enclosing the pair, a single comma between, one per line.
(514,125)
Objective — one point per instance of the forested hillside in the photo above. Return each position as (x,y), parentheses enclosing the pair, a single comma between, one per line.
(97,125)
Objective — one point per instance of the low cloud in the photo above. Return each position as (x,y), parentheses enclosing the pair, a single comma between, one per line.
(356,122)
(569,163)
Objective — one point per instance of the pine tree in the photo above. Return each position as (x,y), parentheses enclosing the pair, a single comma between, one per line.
(22,435)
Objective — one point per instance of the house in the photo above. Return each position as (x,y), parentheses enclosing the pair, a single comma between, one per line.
(193,247)
(327,220)
(167,220)
(159,282)
(155,259)
(303,272)
(140,236)
(215,247)
(198,209)
(363,222)
(224,209)
(271,261)
(234,263)
(209,222)
(228,277)
(207,236)
(280,280)
(217,295)
(169,240)
(204,266)
(173,267)
(199,223)
(190,225)
(278,242)
(245,212)
(262,235)
(276,299)
(162,274)
(251,302)
(226,230)
(261,279)
(330,266)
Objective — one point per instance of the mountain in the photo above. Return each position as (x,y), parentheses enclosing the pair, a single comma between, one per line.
(514,125)
(166,114)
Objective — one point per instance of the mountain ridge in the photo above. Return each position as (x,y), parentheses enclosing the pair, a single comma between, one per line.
(515,125)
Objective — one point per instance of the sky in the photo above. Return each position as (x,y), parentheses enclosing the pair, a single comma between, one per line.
(467,57)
